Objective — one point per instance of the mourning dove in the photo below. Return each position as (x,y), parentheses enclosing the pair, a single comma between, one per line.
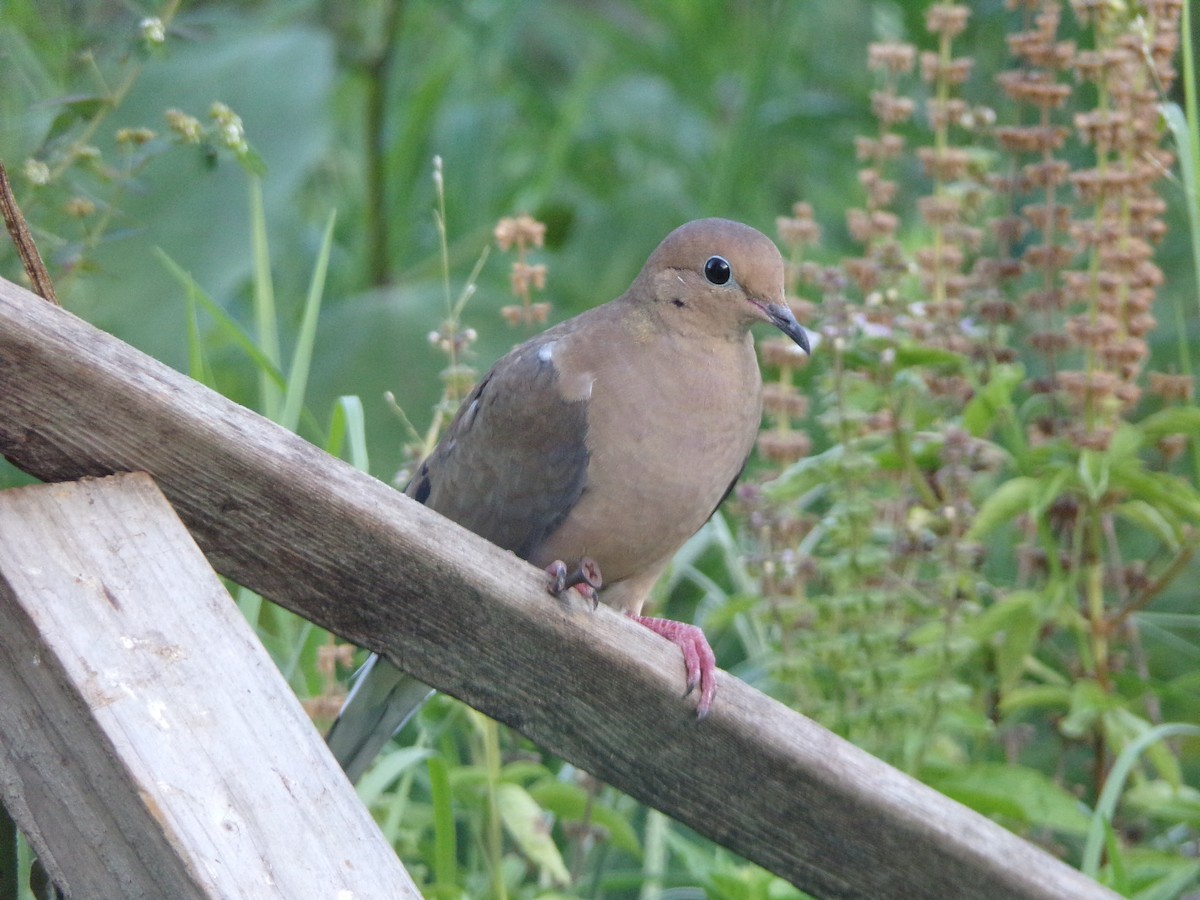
(605,442)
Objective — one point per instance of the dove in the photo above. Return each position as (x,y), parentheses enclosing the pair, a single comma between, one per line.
(597,448)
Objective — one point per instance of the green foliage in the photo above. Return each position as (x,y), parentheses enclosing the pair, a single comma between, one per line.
(963,565)
(968,543)
(1019,796)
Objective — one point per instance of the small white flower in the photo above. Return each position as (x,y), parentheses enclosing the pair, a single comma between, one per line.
(152,29)
(229,127)
(36,171)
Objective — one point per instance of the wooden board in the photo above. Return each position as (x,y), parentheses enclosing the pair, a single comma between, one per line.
(148,745)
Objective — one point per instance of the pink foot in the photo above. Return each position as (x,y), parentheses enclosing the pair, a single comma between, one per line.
(585,579)
(698,657)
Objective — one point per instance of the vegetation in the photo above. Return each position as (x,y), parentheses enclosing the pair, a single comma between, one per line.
(968,541)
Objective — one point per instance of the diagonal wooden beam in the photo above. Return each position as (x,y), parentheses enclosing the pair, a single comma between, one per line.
(346,551)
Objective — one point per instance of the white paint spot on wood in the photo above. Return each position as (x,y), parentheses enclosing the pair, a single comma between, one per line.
(157,710)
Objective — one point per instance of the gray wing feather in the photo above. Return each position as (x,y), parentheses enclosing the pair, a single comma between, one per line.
(382,700)
(510,468)
(514,461)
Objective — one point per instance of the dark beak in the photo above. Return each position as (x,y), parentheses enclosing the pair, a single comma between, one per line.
(781,317)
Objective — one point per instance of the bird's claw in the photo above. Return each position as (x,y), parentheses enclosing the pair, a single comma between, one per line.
(557,571)
(699,662)
(585,579)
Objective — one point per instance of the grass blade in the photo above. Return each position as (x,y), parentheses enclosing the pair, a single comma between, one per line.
(297,381)
(266,319)
(1107,804)
(225,323)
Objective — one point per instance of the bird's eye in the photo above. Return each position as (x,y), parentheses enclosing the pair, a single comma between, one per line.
(717,270)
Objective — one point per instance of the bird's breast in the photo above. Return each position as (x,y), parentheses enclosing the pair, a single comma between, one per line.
(667,433)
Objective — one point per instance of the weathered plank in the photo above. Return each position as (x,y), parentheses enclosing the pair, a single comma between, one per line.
(148,745)
(352,555)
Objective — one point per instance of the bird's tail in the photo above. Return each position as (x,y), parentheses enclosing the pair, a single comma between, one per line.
(382,700)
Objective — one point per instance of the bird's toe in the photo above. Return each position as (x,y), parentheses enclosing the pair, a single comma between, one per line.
(585,578)
(699,661)
(557,571)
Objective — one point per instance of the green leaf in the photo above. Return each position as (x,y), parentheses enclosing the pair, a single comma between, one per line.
(803,476)
(1126,441)
(908,355)
(524,772)
(387,769)
(1013,498)
(1158,875)
(445,841)
(1016,792)
(1172,420)
(1088,702)
(981,410)
(526,823)
(252,162)
(1093,474)
(75,108)
(1150,518)
(1012,627)
(1161,800)
(1042,696)
(1054,483)
(1161,489)
(570,803)
(1000,615)
(749,882)
(469,783)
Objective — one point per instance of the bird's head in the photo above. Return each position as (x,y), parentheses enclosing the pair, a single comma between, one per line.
(719,277)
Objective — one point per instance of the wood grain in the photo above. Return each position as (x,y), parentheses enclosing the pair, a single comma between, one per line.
(346,551)
(148,745)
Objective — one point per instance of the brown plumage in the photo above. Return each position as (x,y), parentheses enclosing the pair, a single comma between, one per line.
(612,436)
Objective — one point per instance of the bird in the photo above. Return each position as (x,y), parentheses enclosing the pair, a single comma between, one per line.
(597,448)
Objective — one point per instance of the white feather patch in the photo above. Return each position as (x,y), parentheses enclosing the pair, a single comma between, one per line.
(573,385)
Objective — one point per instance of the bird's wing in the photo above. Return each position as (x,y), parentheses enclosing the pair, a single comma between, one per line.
(382,700)
(510,468)
(514,461)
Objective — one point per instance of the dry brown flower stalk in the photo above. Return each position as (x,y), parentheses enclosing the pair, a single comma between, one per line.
(524,232)
(1113,300)
(1033,190)
(782,402)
